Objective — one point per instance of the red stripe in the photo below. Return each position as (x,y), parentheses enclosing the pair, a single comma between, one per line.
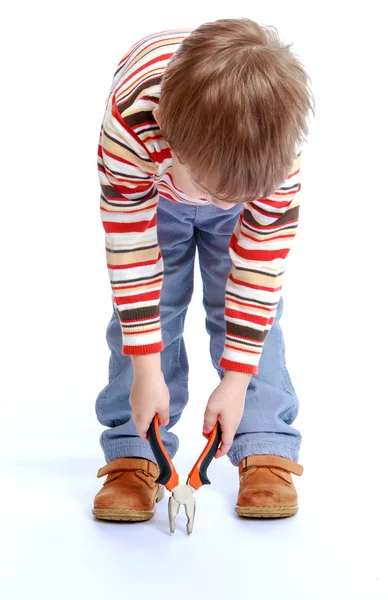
(292,174)
(152,137)
(131,287)
(262,255)
(254,286)
(165,153)
(146,297)
(139,226)
(239,349)
(287,193)
(274,203)
(124,59)
(236,314)
(276,237)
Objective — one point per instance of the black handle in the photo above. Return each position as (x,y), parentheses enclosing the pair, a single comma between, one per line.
(209,456)
(198,474)
(168,476)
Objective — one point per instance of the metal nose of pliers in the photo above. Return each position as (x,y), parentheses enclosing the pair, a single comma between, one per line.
(182,494)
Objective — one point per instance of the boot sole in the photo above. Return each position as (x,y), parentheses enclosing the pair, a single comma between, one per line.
(122,514)
(266,512)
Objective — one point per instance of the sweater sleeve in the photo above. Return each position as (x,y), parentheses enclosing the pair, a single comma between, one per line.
(128,204)
(259,245)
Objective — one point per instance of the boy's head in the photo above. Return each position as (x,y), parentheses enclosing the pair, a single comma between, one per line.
(233,107)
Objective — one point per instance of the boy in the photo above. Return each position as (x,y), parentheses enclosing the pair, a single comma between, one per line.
(200,148)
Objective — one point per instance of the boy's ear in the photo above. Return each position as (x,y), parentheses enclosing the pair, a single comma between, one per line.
(155,112)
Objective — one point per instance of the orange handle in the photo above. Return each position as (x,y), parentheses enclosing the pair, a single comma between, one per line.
(168,475)
(198,474)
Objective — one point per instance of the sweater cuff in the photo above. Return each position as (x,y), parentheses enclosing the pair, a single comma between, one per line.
(231,365)
(150,349)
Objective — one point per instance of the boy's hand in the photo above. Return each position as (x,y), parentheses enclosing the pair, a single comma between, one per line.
(226,405)
(149,395)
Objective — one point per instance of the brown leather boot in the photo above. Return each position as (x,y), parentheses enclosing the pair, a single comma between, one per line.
(266,487)
(129,492)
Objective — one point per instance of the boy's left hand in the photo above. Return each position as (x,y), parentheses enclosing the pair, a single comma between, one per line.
(226,405)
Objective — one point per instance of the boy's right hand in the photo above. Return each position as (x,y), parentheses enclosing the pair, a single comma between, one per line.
(149,395)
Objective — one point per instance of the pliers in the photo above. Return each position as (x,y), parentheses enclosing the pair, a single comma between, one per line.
(182,494)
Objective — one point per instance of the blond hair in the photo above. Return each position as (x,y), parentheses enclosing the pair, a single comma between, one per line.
(233,107)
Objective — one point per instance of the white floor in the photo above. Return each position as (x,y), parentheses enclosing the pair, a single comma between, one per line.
(53,548)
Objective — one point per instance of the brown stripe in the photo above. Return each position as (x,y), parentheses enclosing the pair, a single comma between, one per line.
(143,312)
(135,119)
(248,332)
(289,215)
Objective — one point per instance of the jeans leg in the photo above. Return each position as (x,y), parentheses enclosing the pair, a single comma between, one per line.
(271,403)
(177,244)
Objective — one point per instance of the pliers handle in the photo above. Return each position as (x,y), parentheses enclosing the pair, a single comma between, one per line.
(198,474)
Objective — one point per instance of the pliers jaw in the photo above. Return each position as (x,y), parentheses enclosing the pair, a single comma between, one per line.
(182,494)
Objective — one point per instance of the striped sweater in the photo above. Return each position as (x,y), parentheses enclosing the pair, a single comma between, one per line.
(134,165)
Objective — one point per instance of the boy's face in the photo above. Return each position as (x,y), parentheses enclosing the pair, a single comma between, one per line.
(183,180)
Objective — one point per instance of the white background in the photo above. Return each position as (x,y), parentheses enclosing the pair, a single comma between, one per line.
(57,64)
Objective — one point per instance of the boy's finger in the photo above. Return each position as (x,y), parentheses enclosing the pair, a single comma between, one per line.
(226,442)
(142,427)
(164,416)
(208,428)
(222,450)
(209,422)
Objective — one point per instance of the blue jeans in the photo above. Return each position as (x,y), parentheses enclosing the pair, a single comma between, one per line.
(271,402)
